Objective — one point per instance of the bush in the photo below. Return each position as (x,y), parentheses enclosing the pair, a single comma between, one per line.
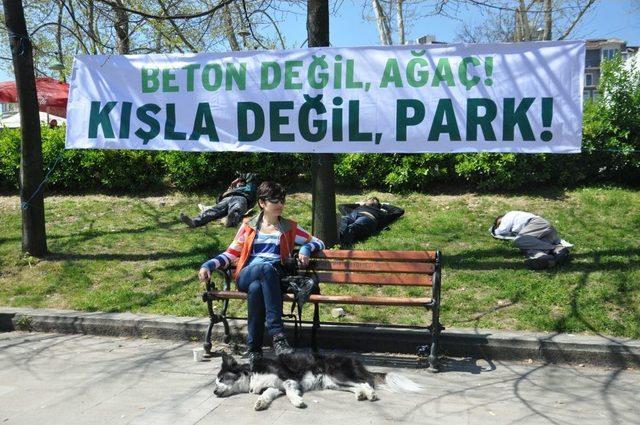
(9,159)
(393,171)
(90,169)
(611,130)
(188,170)
(81,170)
(132,171)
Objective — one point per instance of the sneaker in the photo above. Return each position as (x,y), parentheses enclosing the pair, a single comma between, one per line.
(232,220)
(281,345)
(540,261)
(254,355)
(561,254)
(186,220)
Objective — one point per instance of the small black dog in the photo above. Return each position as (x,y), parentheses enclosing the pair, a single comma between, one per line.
(296,373)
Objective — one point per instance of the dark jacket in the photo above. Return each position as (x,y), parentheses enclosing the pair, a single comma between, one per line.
(248,190)
(384,215)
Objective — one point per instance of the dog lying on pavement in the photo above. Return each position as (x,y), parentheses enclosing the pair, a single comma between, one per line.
(297,373)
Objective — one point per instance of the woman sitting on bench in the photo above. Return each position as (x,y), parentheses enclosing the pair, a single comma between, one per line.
(259,249)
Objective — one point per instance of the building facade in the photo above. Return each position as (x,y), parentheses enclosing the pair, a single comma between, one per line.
(597,51)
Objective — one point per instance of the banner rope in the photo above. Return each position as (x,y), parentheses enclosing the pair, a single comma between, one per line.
(26,204)
(612,150)
(22,38)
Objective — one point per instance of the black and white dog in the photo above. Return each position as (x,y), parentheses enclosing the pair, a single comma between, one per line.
(294,374)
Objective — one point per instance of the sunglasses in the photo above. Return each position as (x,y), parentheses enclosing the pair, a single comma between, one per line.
(275,200)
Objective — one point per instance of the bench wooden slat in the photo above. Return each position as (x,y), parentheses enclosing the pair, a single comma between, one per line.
(345,254)
(375,278)
(378,267)
(339,299)
(229,295)
(349,299)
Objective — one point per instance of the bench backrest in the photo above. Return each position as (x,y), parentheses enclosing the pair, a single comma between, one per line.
(404,268)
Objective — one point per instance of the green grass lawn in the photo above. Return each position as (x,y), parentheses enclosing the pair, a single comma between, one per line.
(132,254)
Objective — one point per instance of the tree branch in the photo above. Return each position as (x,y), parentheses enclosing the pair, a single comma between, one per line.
(575,21)
(169,17)
(178,30)
(81,28)
(275,26)
(253,35)
(61,25)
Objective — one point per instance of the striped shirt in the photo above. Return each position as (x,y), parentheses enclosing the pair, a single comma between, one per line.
(266,246)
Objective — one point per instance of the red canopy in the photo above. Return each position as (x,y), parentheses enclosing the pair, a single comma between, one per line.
(52,95)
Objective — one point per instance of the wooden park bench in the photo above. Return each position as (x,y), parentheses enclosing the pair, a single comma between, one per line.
(406,269)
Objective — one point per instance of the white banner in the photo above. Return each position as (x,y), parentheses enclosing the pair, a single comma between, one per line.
(511,97)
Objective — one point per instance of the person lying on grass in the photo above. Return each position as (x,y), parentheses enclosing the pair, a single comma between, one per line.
(534,236)
(239,197)
(359,221)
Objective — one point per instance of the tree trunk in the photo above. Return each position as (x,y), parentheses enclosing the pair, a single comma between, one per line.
(59,42)
(121,25)
(228,29)
(322,175)
(525,28)
(34,240)
(400,17)
(384,29)
(91,27)
(548,20)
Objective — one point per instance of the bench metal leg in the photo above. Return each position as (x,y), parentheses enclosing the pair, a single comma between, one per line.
(315,327)
(213,317)
(430,351)
(297,321)
(435,327)
(434,365)
(207,339)
(435,336)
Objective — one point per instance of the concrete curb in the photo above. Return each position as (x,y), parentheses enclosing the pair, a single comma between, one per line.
(480,343)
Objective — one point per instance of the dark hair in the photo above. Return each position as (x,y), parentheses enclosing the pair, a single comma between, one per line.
(270,190)
(495,222)
(374,200)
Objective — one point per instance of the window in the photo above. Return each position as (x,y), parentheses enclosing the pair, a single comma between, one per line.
(588,79)
(8,108)
(586,94)
(609,53)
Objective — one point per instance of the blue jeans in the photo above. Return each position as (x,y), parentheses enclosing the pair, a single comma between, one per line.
(356,227)
(261,283)
(233,207)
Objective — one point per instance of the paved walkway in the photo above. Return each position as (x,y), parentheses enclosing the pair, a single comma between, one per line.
(596,350)
(79,379)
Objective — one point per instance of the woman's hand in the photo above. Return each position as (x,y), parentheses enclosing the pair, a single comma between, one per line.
(303,260)
(204,274)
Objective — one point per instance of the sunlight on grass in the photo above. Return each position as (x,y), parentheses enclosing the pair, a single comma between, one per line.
(112,253)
